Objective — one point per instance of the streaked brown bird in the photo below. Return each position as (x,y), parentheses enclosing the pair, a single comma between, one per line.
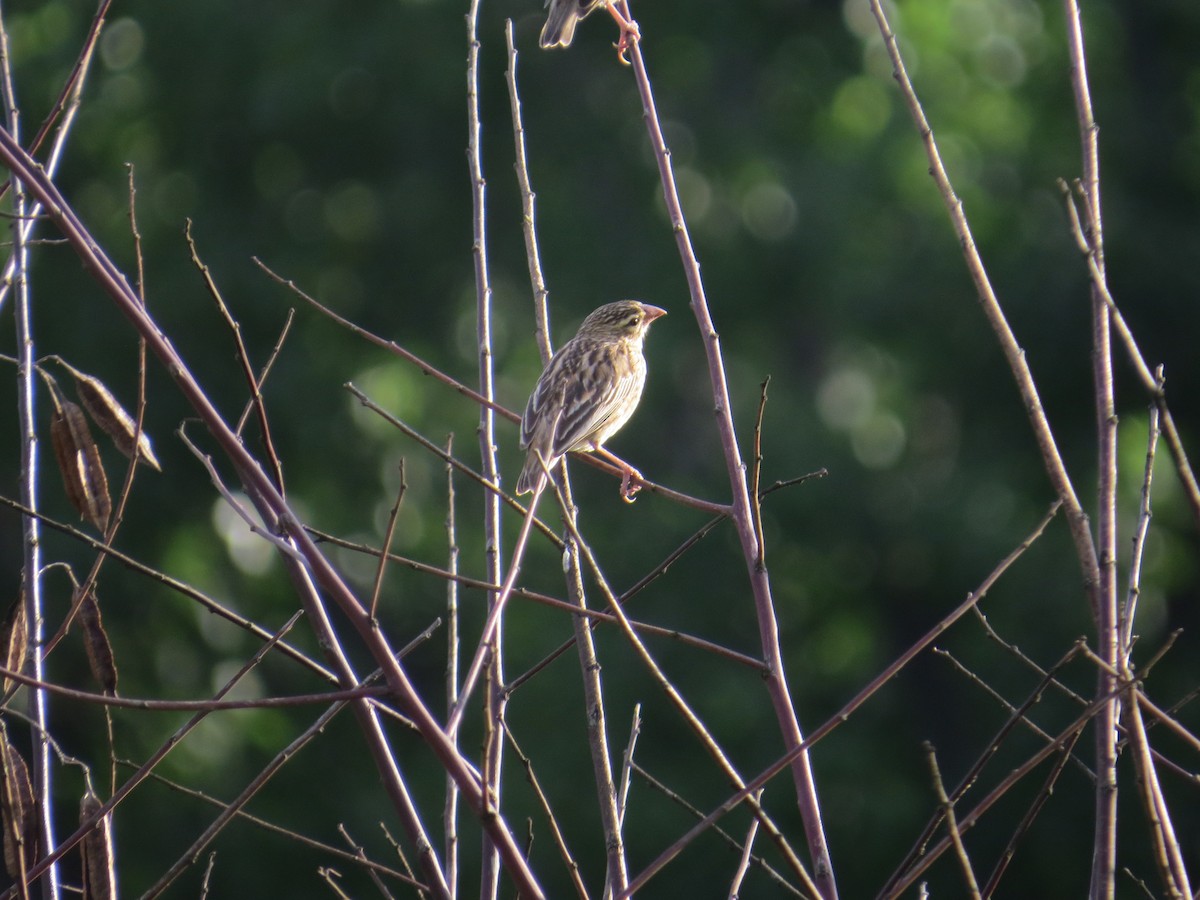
(564,15)
(589,389)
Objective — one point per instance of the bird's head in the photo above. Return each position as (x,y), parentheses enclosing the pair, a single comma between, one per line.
(624,319)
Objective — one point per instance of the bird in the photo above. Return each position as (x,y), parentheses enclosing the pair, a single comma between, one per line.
(564,15)
(587,391)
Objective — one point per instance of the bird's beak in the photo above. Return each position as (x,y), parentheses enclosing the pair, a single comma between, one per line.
(652,312)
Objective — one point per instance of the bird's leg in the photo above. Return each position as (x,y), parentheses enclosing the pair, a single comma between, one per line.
(631,478)
(629,31)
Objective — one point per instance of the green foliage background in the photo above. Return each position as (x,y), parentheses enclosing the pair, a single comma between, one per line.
(328,140)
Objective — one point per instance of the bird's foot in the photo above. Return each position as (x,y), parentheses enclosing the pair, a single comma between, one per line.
(631,483)
(630,33)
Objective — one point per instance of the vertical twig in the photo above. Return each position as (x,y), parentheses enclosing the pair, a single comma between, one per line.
(635,729)
(556,831)
(617,872)
(739,875)
(1154,384)
(756,475)
(495,700)
(1129,609)
(1104,850)
(387,544)
(140,287)
(776,679)
(1167,853)
(17,275)
(528,206)
(951,821)
(450,815)
(491,625)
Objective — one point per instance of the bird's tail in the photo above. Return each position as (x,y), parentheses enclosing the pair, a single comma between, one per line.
(528,478)
(559,29)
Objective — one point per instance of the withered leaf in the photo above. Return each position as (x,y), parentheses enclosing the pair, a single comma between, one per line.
(95,642)
(16,811)
(14,643)
(96,848)
(111,416)
(78,459)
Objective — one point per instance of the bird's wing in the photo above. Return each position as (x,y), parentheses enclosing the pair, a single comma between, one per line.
(576,397)
(592,397)
(543,406)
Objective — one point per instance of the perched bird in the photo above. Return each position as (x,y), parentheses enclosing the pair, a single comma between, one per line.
(588,390)
(564,15)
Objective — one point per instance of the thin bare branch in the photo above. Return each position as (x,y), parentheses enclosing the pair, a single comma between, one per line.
(1035,807)
(739,875)
(387,542)
(1167,854)
(252,404)
(560,841)
(1168,720)
(947,812)
(17,275)
(1129,607)
(243,357)
(485,649)
(617,873)
(493,638)
(752,552)
(191,705)
(528,205)
(729,839)
(1052,460)
(453,641)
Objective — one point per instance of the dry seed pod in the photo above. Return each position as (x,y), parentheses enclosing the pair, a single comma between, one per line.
(96,848)
(13,641)
(111,416)
(95,642)
(78,458)
(16,810)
